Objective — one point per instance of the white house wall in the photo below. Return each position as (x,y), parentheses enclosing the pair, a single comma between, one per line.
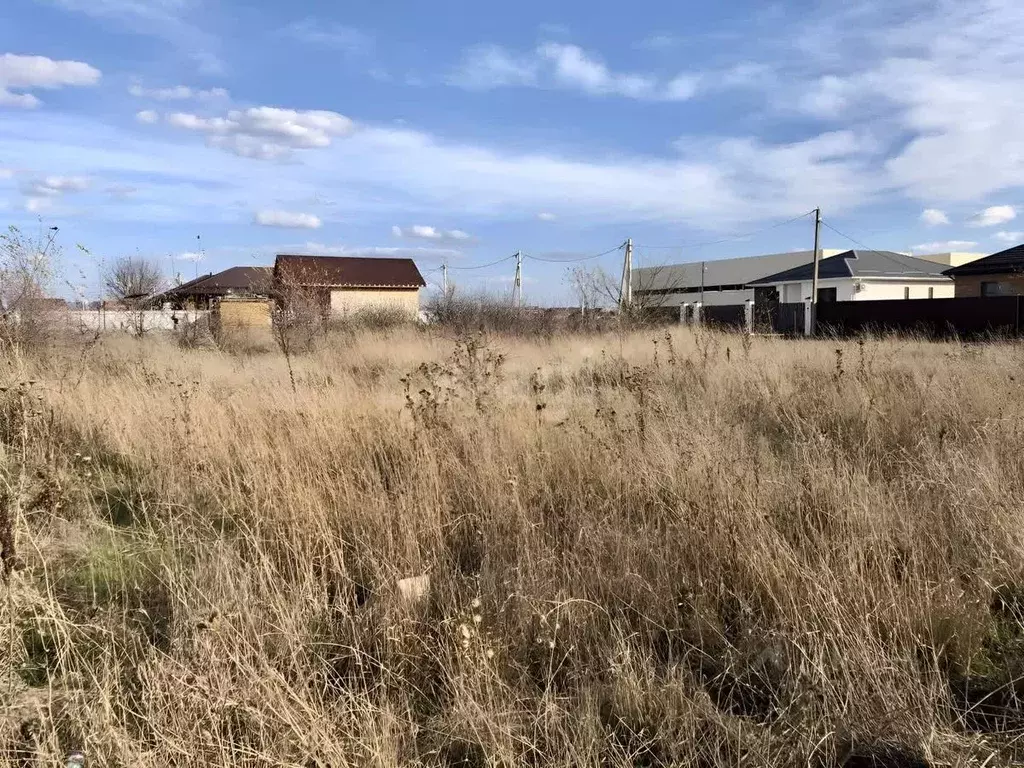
(871,290)
(878,290)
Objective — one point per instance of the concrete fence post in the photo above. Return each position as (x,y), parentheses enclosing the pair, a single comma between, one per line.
(808,315)
(682,314)
(698,313)
(748,315)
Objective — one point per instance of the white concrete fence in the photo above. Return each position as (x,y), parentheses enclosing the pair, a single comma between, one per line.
(129,321)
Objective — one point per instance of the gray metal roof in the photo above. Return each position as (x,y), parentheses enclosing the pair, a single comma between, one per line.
(876,264)
(736,272)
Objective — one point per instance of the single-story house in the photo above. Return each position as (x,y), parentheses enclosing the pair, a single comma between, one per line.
(205,291)
(343,285)
(724,282)
(862,276)
(1001,274)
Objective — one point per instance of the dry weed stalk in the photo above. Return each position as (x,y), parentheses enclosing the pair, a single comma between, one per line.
(636,559)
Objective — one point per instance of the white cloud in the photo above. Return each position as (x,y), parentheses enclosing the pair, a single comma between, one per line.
(934,217)
(940,80)
(546,216)
(26,73)
(993,216)
(324,249)
(191,256)
(163,19)
(6,173)
(490,66)
(422,232)
(147,116)
(1009,237)
(682,88)
(563,65)
(288,220)
(20,100)
(266,132)
(350,40)
(54,186)
(943,246)
(828,97)
(177,93)
(38,204)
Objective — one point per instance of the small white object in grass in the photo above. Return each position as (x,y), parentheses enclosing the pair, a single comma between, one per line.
(414,588)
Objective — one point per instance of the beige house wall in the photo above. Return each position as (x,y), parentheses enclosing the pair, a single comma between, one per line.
(951,258)
(347,301)
(244,314)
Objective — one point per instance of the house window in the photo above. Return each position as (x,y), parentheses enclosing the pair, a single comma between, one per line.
(996,288)
(906,292)
(931,293)
(827,295)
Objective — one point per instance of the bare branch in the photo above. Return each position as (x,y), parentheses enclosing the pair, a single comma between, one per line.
(133,277)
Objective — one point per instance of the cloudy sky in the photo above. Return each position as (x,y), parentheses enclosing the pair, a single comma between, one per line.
(463,131)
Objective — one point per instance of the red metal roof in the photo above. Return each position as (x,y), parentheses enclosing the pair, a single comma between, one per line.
(347,272)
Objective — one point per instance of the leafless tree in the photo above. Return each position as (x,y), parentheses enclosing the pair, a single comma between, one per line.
(299,316)
(592,287)
(132,277)
(27,271)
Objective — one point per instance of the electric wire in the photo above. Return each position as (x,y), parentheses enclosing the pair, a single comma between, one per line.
(578,259)
(731,237)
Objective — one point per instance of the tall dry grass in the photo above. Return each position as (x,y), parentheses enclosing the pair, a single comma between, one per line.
(643,550)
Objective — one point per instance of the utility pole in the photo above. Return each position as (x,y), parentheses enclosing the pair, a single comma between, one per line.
(626,286)
(444,279)
(517,286)
(814,279)
(199,253)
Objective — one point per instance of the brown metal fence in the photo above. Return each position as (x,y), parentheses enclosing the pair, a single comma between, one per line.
(935,318)
(726,316)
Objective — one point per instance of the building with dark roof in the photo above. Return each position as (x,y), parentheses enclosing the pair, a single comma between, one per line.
(1001,274)
(861,275)
(207,290)
(343,285)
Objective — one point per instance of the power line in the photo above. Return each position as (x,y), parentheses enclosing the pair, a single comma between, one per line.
(855,242)
(484,266)
(578,259)
(884,254)
(731,237)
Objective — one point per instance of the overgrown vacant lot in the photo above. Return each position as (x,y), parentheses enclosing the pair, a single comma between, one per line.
(642,551)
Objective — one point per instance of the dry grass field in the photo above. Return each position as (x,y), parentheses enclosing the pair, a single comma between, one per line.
(642,550)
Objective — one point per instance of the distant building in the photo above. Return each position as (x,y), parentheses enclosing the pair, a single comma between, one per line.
(951,258)
(725,282)
(206,291)
(342,285)
(861,276)
(1001,274)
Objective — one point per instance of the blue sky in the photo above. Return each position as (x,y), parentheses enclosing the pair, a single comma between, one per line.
(463,132)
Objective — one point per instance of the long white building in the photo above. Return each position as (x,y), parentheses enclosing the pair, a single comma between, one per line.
(727,282)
